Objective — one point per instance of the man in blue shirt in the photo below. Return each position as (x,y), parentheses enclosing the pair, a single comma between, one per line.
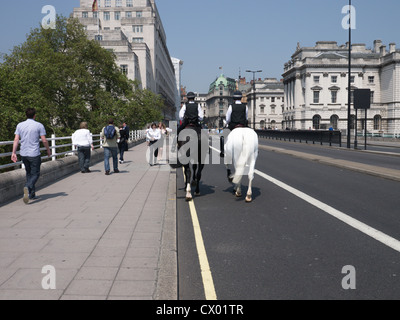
(29,132)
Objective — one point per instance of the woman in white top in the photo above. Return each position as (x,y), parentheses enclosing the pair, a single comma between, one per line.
(153,135)
(82,139)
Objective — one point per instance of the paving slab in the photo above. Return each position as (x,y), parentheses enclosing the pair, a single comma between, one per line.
(104,235)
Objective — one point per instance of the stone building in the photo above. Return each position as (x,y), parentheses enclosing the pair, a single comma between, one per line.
(218,99)
(133,30)
(316,87)
(269,94)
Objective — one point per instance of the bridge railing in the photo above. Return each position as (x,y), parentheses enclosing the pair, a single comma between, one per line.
(307,136)
(60,146)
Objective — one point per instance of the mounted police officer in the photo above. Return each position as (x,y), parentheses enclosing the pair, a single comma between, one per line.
(191,113)
(237,114)
(236,117)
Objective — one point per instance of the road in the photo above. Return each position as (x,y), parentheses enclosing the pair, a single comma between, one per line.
(287,244)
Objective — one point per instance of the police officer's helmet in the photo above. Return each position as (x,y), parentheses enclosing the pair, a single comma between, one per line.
(191,96)
(237,95)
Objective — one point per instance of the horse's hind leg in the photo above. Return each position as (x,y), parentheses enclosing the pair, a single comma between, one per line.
(187,181)
(238,190)
(249,195)
(198,178)
(229,173)
(194,181)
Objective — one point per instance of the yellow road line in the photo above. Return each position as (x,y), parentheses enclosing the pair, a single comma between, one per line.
(206,274)
(208,282)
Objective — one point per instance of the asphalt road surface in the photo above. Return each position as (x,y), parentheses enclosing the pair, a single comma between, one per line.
(288,243)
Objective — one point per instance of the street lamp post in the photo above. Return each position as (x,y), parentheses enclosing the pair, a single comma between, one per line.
(349,87)
(254,95)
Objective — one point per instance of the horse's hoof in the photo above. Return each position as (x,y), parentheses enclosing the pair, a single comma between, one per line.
(249,199)
(238,195)
(188,199)
(197,193)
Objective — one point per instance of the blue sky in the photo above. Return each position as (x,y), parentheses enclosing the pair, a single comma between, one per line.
(251,34)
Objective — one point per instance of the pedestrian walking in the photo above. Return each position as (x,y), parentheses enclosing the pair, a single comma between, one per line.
(110,136)
(30,132)
(123,142)
(128,135)
(153,135)
(82,139)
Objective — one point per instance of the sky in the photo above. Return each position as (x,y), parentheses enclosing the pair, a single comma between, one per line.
(233,34)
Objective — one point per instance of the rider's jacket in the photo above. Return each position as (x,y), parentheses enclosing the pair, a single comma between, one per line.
(238,116)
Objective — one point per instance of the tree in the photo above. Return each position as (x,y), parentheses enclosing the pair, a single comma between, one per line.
(68,79)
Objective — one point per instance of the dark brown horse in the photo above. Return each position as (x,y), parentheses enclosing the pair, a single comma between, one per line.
(191,157)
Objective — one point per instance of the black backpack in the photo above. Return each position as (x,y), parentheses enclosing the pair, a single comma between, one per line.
(109,132)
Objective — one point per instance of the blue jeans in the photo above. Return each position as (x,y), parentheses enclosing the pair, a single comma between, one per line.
(107,153)
(84,158)
(32,168)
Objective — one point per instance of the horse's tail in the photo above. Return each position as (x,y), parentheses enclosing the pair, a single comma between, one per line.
(248,154)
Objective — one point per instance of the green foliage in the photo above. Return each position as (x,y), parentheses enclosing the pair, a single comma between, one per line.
(69,79)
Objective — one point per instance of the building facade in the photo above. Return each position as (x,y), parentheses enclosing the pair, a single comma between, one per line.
(133,30)
(218,99)
(316,87)
(269,98)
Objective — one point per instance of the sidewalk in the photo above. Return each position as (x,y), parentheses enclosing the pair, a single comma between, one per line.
(108,237)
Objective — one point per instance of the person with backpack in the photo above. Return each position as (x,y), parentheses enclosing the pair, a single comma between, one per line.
(110,136)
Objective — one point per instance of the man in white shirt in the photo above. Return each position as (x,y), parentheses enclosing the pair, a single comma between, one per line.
(82,139)
(190,113)
(237,114)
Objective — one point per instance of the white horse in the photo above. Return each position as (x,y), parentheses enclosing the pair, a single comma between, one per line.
(241,149)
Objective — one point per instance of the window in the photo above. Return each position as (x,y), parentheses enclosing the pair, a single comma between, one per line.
(139,14)
(137,29)
(371,80)
(316,96)
(262,109)
(118,3)
(85,14)
(273,108)
(378,122)
(117,15)
(95,14)
(273,99)
(316,122)
(334,96)
(316,79)
(98,37)
(334,79)
(128,14)
(124,69)
(129,3)
(137,40)
(334,122)
(352,79)
(107,16)
(107,3)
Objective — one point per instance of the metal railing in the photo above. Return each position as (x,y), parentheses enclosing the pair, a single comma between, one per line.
(66,145)
(312,136)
